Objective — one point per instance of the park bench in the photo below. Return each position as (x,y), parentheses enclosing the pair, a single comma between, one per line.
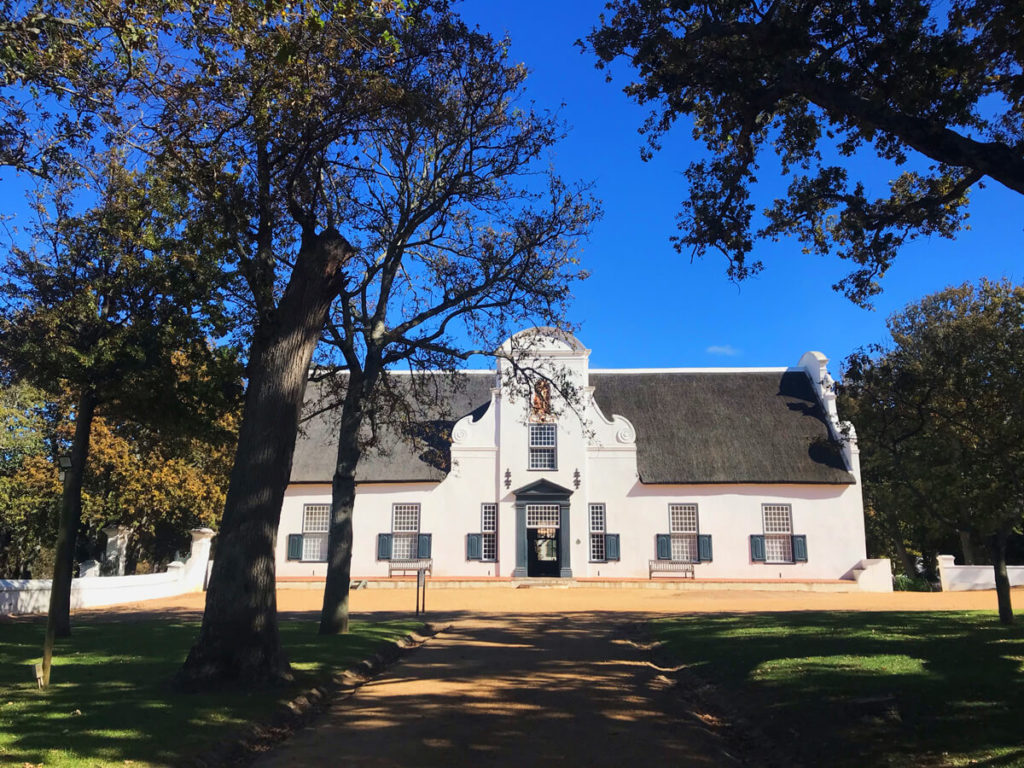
(410,566)
(669,566)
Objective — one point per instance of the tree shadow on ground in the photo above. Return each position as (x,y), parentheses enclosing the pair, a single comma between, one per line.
(111,699)
(544,690)
(858,689)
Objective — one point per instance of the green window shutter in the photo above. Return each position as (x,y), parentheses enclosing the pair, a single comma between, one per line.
(800,549)
(664,546)
(383,546)
(611,546)
(423,546)
(704,547)
(294,546)
(757,548)
(474,546)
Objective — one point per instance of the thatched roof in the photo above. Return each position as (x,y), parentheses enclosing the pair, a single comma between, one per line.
(416,450)
(722,427)
(734,427)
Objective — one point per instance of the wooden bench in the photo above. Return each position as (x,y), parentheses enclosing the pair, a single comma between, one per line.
(669,566)
(405,566)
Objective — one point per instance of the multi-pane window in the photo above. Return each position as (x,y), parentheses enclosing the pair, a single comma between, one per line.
(542,515)
(489,532)
(683,532)
(316,522)
(778,533)
(405,526)
(598,523)
(543,446)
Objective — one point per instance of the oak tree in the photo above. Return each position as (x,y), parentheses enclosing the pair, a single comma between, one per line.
(107,305)
(245,111)
(933,88)
(157,483)
(465,237)
(949,402)
(237,103)
(64,65)
(28,482)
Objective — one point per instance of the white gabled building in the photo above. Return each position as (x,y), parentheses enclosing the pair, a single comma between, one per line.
(743,473)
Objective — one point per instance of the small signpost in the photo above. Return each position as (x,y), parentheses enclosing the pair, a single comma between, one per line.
(421,591)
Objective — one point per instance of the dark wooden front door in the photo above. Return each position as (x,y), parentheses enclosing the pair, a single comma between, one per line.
(543,552)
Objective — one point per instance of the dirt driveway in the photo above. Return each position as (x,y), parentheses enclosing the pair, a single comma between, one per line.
(541,676)
(366,603)
(508,691)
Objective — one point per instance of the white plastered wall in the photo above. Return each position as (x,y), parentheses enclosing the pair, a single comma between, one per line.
(490,461)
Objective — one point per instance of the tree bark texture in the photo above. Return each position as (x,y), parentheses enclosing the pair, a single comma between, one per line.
(58,618)
(334,617)
(901,549)
(996,160)
(967,546)
(239,640)
(997,546)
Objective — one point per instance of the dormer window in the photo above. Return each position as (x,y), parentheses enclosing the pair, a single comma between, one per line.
(543,446)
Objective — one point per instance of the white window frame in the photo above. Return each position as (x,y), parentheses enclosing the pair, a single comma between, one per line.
(489,533)
(598,520)
(543,447)
(316,525)
(684,529)
(404,537)
(543,516)
(777,520)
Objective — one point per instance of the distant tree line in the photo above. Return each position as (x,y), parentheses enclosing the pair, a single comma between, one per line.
(157,485)
(939,415)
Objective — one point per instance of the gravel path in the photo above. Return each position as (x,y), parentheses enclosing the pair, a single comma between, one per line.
(537,690)
(372,604)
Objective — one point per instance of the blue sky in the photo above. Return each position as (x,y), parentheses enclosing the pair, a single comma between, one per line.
(647,306)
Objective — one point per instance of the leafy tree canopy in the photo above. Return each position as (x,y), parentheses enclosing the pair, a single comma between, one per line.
(63,66)
(159,484)
(910,80)
(116,301)
(943,408)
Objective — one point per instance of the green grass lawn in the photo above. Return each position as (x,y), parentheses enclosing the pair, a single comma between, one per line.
(866,689)
(110,701)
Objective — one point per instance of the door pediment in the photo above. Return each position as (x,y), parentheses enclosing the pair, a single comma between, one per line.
(542,490)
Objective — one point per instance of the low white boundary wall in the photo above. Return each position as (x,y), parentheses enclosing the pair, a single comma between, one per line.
(962,578)
(873,575)
(33,595)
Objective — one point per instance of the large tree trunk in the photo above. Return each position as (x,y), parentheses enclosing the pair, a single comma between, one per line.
(966,546)
(334,615)
(909,567)
(930,560)
(997,547)
(58,618)
(239,640)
